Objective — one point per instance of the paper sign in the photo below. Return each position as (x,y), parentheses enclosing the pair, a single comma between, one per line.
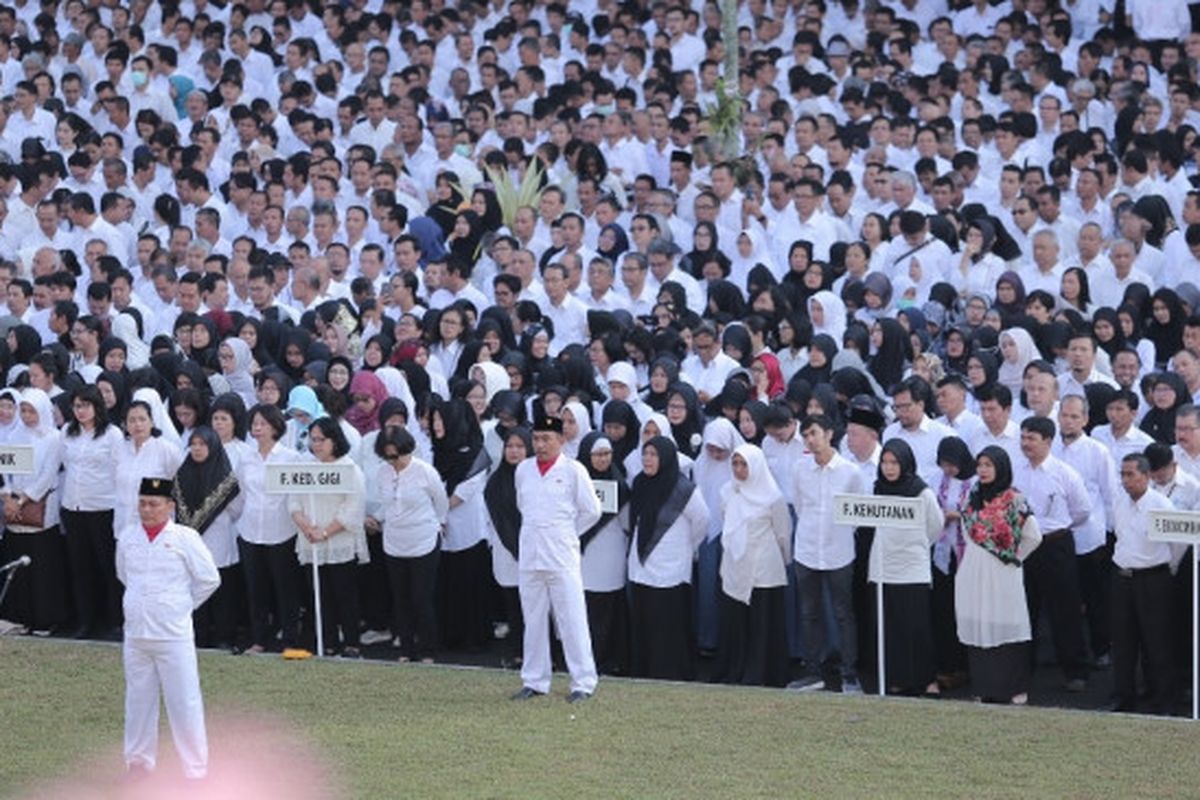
(309,478)
(1175,526)
(871,511)
(606,492)
(16,459)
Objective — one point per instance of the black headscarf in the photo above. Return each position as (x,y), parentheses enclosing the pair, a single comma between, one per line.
(909,484)
(622,412)
(984,493)
(658,400)
(991,368)
(202,491)
(29,344)
(1160,422)
(1168,338)
(1117,342)
(613,473)
(657,501)
(887,365)
(501,496)
(688,435)
(815,375)
(953,450)
(458,455)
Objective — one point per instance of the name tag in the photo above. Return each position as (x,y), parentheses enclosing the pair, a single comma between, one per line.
(870,511)
(606,493)
(1175,526)
(16,459)
(309,478)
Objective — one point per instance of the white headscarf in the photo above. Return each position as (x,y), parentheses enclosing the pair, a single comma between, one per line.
(240,381)
(633,461)
(45,410)
(495,377)
(712,475)
(12,429)
(1013,375)
(739,269)
(745,500)
(137,352)
(835,315)
(397,386)
(159,415)
(582,421)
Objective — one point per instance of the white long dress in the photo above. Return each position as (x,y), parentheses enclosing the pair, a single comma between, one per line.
(989,595)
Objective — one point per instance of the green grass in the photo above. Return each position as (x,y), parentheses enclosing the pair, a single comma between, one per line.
(375,730)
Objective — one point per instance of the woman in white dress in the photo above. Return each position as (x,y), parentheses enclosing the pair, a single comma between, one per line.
(604,548)
(757,547)
(989,589)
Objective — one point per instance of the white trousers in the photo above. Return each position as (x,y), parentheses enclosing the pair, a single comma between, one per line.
(171,665)
(560,592)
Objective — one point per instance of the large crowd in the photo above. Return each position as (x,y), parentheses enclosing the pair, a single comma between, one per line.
(943,253)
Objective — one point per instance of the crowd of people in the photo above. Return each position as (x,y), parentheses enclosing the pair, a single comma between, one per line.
(918,250)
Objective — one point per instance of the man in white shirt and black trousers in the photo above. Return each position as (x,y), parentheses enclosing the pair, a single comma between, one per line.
(1141,593)
(558,503)
(168,572)
(1060,502)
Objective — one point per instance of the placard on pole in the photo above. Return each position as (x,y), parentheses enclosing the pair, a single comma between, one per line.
(16,459)
(871,511)
(1183,527)
(311,478)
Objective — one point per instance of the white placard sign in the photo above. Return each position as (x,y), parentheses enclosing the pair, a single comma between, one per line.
(870,511)
(1175,526)
(16,459)
(309,478)
(606,492)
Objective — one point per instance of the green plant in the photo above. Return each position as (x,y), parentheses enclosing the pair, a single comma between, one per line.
(725,119)
(510,195)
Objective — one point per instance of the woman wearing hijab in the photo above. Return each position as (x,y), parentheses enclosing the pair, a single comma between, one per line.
(706,246)
(958,473)
(668,519)
(821,353)
(999,531)
(621,426)
(686,417)
(612,242)
(877,298)
(367,394)
(983,372)
(757,546)
(577,423)
(712,473)
(828,315)
(236,361)
(1167,395)
(1165,326)
(330,533)
(504,528)
(207,500)
(448,203)
(1010,297)
(1106,327)
(463,571)
(750,251)
(604,548)
(664,373)
(137,352)
(37,597)
(1017,349)
(891,352)
(303,409)
(899,562)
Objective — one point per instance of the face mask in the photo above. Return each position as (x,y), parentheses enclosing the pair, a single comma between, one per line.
(138,78)
(463,150)
(605,110)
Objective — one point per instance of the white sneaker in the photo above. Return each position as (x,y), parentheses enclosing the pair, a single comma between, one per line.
(812,683)
(500,630)
(375,637)
(851,686)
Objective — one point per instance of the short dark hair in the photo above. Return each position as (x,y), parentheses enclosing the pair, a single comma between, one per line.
(818,420)
(1140,460)
(1124,396)
(331,429)
(1000,393)
(397,437)
(778,415)
(270,415)
(1042,426)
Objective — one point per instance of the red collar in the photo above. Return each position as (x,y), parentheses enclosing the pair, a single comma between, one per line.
(152,533)
(544,466)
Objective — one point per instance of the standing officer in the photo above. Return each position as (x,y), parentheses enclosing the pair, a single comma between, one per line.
(557,504)
(168,572)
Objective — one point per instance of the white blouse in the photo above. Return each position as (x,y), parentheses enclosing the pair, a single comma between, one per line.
(156,458)
(322,509)
(264,518)
(604,567)
(901,555)
(89,475)
(670,562)
(413,508)
(42,483)
(465,526)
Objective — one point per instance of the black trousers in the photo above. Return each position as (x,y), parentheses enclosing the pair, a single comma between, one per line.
(1141,628)
(951,655)
(1095,584)
(661,627)
(38,597)
(608,623)
(374,597)
(413,583)
(1052,582)
(216,620)
(514,642)
(464,597)
(92,557)
(339,603)
(272,575)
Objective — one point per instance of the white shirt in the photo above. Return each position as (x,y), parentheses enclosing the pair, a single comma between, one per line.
(924,442)
(569,320)
(264,518)
(414,508)
(1068,384)
(89,478)
(819,543)
(1008,440)
(670,562)
(156,458)
(1134,441)
(709,379)
(165,580)
(555,509)
(1131,520)
(901,555)
(1095,466)
(1055,492)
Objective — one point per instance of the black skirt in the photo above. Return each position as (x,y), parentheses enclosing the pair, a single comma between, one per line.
(951,655)
(662,631)
(608,623)
(1000,673)
(38,597)
(753,643)
(464,597)
(907,638)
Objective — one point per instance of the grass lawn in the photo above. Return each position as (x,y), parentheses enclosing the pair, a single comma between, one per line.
(331,728)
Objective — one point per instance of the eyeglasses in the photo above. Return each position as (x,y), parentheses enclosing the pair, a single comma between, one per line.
(391,457)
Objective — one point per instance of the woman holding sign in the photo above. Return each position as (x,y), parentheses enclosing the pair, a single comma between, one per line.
(989,589)
(900,562)
(332,533)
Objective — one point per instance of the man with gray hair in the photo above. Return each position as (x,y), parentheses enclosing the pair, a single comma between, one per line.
(904,194)
(661,255)
(1046,271)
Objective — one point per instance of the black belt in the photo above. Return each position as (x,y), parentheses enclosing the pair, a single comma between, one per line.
(1129,573)
(1052,535)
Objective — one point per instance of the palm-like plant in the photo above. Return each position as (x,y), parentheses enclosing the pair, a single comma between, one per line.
(511,195)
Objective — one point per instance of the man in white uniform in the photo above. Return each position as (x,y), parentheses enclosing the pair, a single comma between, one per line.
(557,504)
(167,572)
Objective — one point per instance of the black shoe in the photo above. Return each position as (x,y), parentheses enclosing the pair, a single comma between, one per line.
(577,696)
(82,632)
(526,694)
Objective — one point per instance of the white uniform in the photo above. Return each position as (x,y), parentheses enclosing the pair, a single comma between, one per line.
(165,580)
(555,509)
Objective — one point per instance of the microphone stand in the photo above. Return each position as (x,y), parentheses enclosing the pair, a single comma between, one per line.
(8,582)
